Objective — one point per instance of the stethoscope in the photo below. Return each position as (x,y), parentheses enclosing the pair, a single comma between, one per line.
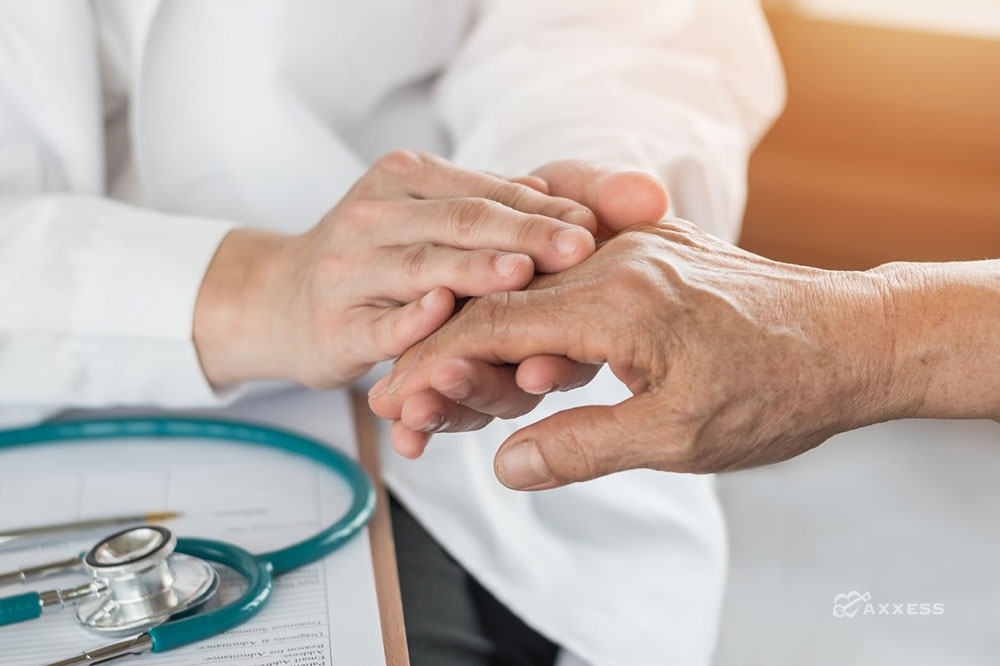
(151,586)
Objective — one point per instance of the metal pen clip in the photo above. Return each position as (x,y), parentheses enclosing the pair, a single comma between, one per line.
(8,536)
(140,644)
(41,571)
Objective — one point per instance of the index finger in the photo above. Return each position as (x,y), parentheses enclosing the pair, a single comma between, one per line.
(426,176)
(508,327)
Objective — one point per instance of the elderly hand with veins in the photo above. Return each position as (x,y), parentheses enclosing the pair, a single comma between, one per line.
(733,360)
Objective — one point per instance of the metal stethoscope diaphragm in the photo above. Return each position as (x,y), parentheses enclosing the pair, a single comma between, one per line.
(140,582)
(137,582)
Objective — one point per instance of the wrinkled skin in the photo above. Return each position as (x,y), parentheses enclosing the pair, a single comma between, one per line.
(733,360)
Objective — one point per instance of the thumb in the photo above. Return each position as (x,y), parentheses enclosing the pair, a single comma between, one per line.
(620,199)
(575,445)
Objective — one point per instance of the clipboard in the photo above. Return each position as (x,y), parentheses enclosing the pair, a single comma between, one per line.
(390,604)
(379,584)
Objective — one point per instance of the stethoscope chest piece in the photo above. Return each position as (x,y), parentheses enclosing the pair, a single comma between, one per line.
(141,582)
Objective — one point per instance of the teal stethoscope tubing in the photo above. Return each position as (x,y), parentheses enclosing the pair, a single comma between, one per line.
(257,569)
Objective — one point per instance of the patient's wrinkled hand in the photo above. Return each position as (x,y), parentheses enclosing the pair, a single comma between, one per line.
(733,360)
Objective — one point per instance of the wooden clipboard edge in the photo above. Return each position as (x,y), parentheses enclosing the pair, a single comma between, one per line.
(390,603)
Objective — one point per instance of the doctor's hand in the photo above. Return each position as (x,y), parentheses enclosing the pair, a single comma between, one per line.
(733,360)
(467,395)
(380,271)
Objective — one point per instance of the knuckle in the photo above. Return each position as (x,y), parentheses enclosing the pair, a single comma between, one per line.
(399,162)
(511,194)
(415,261)
(677,231)
(680,225)
(533,228)
(365,187)
(681,236)
(466,217)
(630,242)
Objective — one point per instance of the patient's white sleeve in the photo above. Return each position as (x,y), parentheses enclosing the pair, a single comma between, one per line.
(96,305)
(680,88)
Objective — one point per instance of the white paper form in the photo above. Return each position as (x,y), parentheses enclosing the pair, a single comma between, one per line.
(324,614)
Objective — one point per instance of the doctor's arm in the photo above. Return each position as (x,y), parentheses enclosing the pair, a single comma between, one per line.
(107,304)
(733,360)
(96,304)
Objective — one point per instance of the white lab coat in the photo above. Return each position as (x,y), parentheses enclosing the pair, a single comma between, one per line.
(134,134)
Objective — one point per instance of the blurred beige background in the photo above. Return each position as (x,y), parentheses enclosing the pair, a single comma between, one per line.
(889,149)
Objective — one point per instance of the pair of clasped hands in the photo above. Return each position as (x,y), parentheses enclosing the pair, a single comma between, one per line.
(565,270)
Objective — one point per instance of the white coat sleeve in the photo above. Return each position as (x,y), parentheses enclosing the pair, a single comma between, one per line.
(680,88)
(96,297)
(97,303)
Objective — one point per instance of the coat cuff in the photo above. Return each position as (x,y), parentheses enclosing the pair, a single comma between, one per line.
(138,281)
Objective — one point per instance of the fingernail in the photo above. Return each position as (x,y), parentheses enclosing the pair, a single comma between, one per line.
(542,391)
(427,300)
(433,423)
(520,466)
(379,387)
(568,241)
(506,264)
